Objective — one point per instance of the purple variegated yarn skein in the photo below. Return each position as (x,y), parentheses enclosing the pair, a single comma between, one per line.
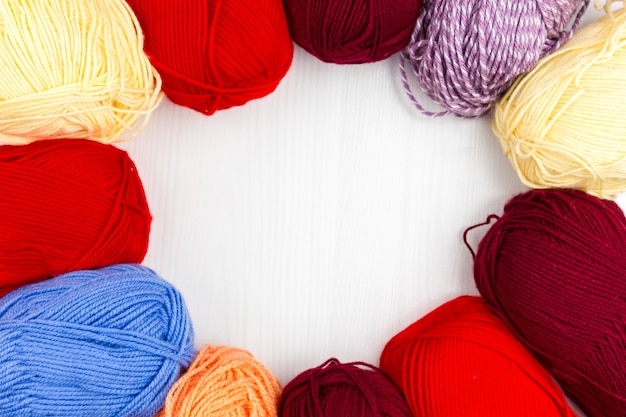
(466,54)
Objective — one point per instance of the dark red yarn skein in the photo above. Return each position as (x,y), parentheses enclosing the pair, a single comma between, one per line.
(354,31)
(553,267)
(338,389)
(216,54)
(68,205)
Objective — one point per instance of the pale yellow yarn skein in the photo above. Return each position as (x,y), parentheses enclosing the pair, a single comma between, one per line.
(73,69)
(563,124)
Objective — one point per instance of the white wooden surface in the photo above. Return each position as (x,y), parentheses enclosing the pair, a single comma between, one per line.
(320,220)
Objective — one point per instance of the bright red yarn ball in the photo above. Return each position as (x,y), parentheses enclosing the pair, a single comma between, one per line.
(352,32)
(68,205)
(342,389)
(553,267)
(461,360)
(216,54)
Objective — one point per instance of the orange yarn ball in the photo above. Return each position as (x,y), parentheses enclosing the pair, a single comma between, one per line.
(461,360)
(224,381)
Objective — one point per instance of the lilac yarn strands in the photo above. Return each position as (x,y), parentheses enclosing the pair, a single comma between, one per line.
(466,54)
(107,342)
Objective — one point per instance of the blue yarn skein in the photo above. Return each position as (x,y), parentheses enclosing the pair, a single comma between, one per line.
(107,342)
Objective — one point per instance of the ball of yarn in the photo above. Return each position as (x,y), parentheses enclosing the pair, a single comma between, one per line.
(221,382)
(553,267)
(216,54)
(561,125)
(342,389)
(68,205)
(466,54)
(73,69)
(351,32)
(108,342)
(461,360)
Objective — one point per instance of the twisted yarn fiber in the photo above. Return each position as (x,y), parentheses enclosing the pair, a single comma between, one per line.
(465,54)
(107,342)
(72,69)
(561,125)
(351,32)
(553,267)
(336,389)
(216,54)
(224,382)
(461,360)
(68,205)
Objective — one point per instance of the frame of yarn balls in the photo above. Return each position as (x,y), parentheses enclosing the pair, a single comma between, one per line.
(205,87)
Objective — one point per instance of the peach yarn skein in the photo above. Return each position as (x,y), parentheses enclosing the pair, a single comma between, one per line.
(224,381)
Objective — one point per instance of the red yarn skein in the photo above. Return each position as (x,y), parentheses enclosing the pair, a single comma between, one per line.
(352,32)
(461,360)
(216,54)
(553,267)
(68,205)
(337,389)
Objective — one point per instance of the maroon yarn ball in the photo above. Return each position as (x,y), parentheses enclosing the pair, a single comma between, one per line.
(336,389)
(352,32)
(553,267)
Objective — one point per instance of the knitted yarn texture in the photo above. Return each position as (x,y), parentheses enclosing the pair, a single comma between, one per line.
(108,342)
(465,54)
(351,31)
(553,267)
(342,389)
(216,54)
(68,205)
(73,69)
(223,382)
(561,125)
(461,360)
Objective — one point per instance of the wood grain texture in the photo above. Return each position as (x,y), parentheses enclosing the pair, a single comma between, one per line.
(320,220)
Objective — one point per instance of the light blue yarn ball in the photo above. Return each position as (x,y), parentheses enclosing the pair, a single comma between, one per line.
(107,342)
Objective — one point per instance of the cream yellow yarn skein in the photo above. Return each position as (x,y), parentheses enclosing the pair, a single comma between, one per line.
(563,124)
(73,69)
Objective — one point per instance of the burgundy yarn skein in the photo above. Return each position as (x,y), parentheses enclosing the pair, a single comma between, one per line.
(342,389)
(351,32)
(553,267)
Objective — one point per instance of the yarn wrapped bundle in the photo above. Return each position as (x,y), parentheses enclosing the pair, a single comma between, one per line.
(108,342)
(216,54)
(337,389)
(73,69)
(466,54)
(352,32)
(68,205)
(553,267)
(561,125)
(461,360)
(224,382)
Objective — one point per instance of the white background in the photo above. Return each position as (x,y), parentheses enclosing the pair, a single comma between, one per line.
(322,219)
